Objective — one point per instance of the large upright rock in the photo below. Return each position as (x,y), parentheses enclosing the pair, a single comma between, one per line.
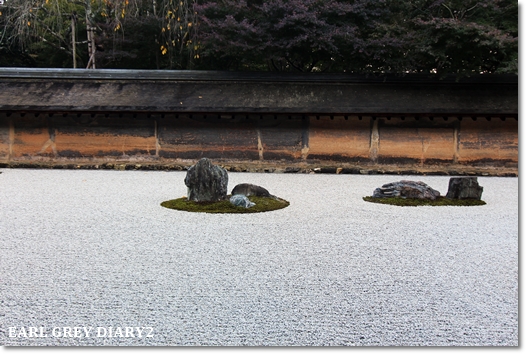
(406,189)
(206,182)
(464,188)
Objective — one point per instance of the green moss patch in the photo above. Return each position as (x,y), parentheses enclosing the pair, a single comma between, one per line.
(440,201)
(262,204)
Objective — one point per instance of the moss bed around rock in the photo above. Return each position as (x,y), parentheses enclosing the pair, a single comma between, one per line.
(262,205)
(440,201)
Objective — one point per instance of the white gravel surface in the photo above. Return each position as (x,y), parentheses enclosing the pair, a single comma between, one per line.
(96,249)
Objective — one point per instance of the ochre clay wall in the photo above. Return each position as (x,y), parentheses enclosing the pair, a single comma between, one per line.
(259,121)
(340,138)
(388,143)
(484,140)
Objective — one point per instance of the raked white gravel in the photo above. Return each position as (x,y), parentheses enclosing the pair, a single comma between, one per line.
(96,249)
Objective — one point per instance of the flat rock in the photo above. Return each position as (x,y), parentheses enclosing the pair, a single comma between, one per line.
(206,182)
(464,188)
(248,189)
(406,189)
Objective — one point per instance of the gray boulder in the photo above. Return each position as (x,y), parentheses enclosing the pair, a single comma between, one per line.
(250,189)
(406,189)
(206,182)
(464,188)
(241,201)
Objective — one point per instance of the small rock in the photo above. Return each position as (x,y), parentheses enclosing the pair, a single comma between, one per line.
(406,189)
(464,188)
(240,200)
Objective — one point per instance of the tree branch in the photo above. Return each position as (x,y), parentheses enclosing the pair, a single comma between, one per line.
(54,45)
(294,66)
(451,12)
(274,65)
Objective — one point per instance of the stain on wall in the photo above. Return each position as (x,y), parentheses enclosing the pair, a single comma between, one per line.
(488,140)
(192,136)
(101,135)
(416,140)
(31,135)
(339,138)
(5,128)
(282,136)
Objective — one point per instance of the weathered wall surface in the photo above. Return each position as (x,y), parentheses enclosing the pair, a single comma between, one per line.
(5,138)
(418,143)
(483,140)
(119,91)
(258,121)
(340,138)
(192,136)
(411,140)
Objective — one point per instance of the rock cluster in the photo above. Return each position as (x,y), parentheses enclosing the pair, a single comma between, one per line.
(464,188)
(206,182)
(406,189)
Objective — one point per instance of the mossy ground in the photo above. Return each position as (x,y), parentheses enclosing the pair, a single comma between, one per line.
(225,207)
(440,201)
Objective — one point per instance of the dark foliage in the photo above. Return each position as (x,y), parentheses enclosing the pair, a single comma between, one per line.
(462,37)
